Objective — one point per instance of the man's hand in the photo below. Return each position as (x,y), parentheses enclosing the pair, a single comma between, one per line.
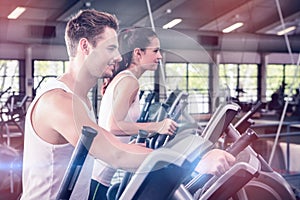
(215,162)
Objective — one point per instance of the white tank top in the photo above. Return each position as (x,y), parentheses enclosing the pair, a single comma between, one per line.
(102,172)
(44,164)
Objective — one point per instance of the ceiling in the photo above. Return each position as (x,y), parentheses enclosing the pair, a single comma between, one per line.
(203,16)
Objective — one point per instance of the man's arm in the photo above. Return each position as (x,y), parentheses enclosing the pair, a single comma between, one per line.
(58,118)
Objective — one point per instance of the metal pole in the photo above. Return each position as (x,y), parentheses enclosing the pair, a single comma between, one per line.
(160,61)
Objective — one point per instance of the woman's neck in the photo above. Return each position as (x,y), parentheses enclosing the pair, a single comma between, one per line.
(136,70)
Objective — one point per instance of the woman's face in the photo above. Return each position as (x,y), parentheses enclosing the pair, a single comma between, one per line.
(151,56)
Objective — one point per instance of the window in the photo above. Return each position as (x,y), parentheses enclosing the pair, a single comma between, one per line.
(192,78)
(241,80)
(45,70)
(147,81)
(281,78)
(292,78)
(198,88)
(10,77)
(176,76)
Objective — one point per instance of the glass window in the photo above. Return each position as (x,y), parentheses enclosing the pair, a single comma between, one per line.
(147,81)
(192,78)
(45,70)
(228,77)
(274,79)
(292,77)
(176,76)
(241,80)
(248,82)
(9,78)
(282,78)
(198,88)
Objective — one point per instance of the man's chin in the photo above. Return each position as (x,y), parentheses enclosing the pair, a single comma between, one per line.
(107,75)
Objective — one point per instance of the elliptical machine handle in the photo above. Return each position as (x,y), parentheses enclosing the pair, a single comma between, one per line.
(142,136)
(239,145)
(77,160)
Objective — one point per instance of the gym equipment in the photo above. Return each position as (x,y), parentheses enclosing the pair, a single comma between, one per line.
(268,184)
(179,156)
(227,185)
(145,111)
(172,108)
(250,178)
(234,149)
(12,117)
(220,120)
(77,160)
(141,138)
(245,122)
(116,190)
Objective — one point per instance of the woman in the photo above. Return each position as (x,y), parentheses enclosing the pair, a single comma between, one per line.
(120,107)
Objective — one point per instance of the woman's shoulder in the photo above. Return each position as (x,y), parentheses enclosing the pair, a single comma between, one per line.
(125,76)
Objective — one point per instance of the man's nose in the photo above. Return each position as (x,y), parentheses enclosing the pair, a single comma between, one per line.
(118,57)
(159,56)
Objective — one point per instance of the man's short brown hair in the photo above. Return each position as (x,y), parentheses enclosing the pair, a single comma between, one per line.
(87,24)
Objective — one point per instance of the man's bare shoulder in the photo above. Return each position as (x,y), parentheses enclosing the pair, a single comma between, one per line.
(50,113)
(55,98)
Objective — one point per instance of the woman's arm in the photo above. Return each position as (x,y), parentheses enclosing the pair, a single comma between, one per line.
(124,95)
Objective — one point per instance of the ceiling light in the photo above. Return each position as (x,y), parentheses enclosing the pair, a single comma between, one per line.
(172,23)
(233,27)
(16,13)
(287,30)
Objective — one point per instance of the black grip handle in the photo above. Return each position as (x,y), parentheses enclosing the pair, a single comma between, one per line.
(243,121)
(145,112)
(160,141)
(242,142)
(141,138)
(75,165)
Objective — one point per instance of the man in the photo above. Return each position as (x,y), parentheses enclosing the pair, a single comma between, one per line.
(57,114)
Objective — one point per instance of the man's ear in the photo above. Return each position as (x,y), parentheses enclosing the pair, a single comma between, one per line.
(84,45)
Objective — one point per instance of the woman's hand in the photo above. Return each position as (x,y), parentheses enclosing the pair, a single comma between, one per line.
(167,126)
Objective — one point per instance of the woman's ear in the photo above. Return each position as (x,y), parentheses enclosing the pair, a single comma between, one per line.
(137,52)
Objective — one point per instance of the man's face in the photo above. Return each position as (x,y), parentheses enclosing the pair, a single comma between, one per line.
(103,58)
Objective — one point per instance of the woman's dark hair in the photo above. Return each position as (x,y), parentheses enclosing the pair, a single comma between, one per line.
(129,39)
